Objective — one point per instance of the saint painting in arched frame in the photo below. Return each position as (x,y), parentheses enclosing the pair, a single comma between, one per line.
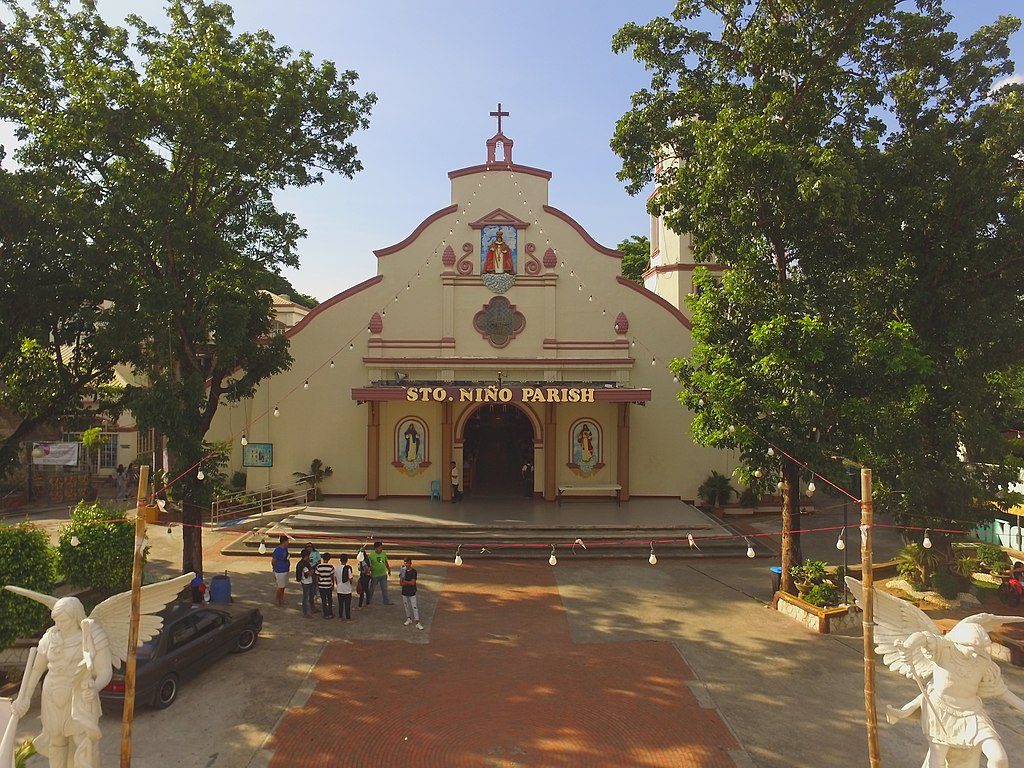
(411,446)
(585,447)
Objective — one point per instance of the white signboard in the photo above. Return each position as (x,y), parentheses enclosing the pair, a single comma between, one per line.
(55,453)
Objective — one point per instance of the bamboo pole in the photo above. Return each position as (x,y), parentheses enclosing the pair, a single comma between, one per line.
(133,627)
(868,580)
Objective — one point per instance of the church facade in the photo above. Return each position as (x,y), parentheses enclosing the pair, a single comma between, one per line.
(499,336)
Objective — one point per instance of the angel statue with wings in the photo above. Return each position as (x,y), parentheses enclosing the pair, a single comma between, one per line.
(955,673)
(78,655)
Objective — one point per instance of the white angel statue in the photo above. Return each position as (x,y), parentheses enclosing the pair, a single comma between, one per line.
(78,655)
(954,672)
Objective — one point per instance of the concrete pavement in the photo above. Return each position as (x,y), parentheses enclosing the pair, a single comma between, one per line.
(738,683)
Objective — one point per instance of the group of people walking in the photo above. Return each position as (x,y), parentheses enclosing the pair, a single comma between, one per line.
(321,580)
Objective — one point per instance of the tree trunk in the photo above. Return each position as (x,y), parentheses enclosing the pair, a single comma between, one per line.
(192,538)
(791,554)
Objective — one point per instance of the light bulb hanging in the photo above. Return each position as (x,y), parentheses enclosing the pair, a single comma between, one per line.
(245,440)
(200,475)
(653,559)
(927,543)
(758,473)
(263,547)
(750,548)
(332,363)
(552,560)
(811,488)
(841,543)
(277,411)
(458,557)
(691,542)
(305,384)
(75,541)
(771,451)
(360,556)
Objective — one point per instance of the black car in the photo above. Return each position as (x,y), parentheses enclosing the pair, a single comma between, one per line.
(192,638)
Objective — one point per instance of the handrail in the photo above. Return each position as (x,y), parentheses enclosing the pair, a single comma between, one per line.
(267,499)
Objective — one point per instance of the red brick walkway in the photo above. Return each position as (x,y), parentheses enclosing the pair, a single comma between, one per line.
(500,684)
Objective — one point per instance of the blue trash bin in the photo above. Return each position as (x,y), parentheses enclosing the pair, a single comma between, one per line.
(220,589)
(776,578)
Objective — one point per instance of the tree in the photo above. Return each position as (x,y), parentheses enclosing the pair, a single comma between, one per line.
(636,257)
(170,167)
(26,560)
(852,167)
(54,348)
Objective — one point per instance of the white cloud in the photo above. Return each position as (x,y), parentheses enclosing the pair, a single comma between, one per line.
(1015,79)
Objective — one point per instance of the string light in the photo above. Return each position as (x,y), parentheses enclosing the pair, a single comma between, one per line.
(758,473)
(750,548)
(841,543)
(360,556)
(277,411)
(200,475)
(245,440)
(263,547)
(691,542)
(771,451)
(75,541)
(552,560)
(305,384)
(811,488)
(458,557)
(653,559)
(332,363)
(927,543)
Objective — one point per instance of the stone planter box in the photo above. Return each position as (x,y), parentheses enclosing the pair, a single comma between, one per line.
(821,620)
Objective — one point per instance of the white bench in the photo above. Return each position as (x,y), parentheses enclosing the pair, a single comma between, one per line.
(590,490)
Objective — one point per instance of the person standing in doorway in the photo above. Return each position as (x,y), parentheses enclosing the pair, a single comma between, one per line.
(343,582)
(325,582)
(456,493)
(408,582)
(120,483)
(279,563)
(131,476)
(380,570)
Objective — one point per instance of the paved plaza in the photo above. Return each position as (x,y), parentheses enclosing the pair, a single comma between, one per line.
(593,662)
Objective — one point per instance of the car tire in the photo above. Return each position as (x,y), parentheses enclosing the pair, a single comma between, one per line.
(246,640)
(166,692)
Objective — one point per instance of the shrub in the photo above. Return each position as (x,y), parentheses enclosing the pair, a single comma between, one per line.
(822,595)
(947,585)
(924,561)
(26,560)
(103,557)
(750,498)
(716,489)
(993,557)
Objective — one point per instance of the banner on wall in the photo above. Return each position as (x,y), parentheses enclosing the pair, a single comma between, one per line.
(65,454)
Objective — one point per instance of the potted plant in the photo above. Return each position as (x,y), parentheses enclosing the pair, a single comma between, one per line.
(813,583)
(716,491)
(316,474)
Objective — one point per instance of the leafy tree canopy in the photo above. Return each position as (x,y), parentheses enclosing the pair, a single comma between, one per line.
(166,146)
(851,165)
(636,257)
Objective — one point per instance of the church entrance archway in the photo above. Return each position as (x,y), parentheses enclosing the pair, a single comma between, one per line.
(498,443)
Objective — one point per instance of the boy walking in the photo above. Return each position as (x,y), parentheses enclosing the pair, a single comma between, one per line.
(325,583)
(408,581)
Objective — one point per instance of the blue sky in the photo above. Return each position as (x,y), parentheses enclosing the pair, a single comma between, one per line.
(438,69)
